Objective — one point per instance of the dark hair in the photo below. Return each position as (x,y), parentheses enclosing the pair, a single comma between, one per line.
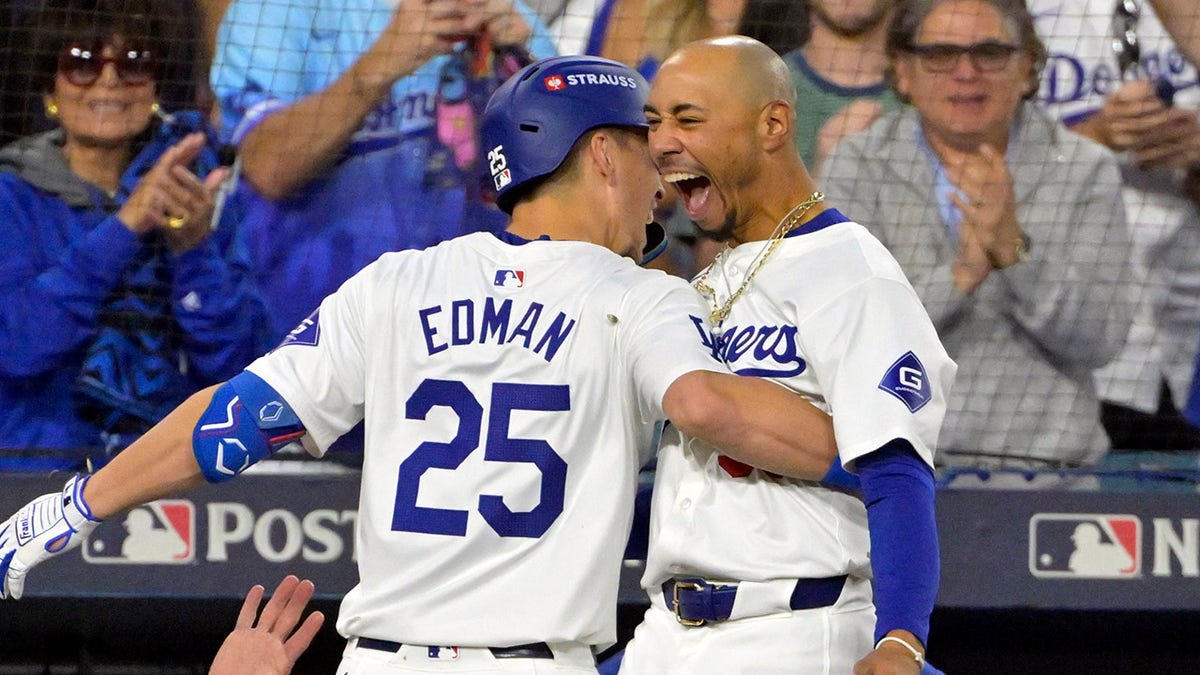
(910,14)
(782,25)
(168,28)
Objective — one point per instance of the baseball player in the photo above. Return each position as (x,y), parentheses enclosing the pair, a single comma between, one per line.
(747,571)
(505,421)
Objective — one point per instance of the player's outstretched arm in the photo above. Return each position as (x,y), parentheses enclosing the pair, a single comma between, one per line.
(755,421)
(269,643)
(158,464)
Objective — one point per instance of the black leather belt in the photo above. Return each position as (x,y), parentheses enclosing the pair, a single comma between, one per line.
(535,650)
(697,602)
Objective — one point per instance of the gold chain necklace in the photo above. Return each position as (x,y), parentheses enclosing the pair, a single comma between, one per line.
(721,311)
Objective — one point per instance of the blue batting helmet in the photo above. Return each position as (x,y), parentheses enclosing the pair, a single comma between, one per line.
(533,120)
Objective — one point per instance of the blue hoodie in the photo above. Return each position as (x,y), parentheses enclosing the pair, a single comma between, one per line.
(103,332)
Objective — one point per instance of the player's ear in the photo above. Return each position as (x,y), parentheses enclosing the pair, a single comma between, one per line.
(601,148)
(776,122)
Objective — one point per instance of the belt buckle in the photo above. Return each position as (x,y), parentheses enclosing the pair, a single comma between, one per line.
(687,586)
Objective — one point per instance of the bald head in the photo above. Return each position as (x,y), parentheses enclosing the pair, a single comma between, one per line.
(722,131)
(738,66)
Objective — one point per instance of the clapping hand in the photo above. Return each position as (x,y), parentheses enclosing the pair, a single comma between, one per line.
(173,199)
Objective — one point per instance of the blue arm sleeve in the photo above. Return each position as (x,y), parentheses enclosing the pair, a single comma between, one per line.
(839,477)
(899,491)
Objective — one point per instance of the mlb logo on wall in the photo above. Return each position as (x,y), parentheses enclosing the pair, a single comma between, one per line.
(160,533)
(555,82)
(509,278)
(1085,546)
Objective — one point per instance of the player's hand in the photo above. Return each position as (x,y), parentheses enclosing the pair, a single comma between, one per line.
(43,528)
(890,658)
(271,645)
(171,198)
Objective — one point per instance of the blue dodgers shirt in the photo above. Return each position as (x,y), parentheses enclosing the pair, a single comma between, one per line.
(394,188)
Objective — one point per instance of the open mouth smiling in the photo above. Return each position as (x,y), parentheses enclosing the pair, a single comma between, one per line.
(693,188)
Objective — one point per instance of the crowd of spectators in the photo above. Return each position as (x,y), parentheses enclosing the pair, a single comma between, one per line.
(1009,228)
(1038,185)
(124,287)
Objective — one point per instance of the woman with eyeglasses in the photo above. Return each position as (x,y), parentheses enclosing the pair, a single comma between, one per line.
(120,292)
(1010,228)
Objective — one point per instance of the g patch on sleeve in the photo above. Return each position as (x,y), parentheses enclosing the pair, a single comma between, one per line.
(906,380)
(307,333)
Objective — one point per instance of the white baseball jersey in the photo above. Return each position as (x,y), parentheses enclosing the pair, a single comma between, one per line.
(509,394)
(1165,227)
(831,316)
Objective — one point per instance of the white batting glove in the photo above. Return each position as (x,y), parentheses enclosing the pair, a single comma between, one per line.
(43,528)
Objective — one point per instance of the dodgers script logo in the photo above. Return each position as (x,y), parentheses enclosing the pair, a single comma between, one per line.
(1079,71)
(1085,546)
(772,350)
(159,533)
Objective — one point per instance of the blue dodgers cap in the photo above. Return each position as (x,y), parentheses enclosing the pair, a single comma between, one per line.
(532,121)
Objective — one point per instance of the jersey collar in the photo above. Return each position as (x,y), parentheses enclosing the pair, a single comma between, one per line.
(823,220)
(517,240)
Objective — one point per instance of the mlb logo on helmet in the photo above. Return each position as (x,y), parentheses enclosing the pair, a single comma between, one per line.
(555,82)
(1085,545)
(498,165)
(159,533)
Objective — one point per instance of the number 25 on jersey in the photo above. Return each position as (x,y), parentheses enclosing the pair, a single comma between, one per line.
(505,398)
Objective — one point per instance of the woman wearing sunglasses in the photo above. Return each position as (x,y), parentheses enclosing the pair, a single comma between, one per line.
(120,293)
(1009,227)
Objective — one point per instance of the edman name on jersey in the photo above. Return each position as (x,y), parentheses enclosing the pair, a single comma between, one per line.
(758,351)
(470,321)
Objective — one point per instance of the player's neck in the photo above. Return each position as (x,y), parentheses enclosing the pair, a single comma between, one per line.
(559,219)
(777,198)
(847,61)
